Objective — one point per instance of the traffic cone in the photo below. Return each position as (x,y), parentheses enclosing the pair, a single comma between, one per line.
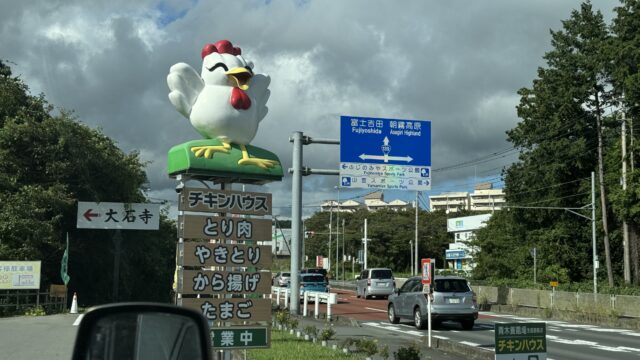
(74,304)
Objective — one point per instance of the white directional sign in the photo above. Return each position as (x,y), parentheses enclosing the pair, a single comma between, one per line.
(109,215)
(386,154)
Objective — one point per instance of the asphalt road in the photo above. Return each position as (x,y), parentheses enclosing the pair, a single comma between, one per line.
(37,337)
(565,340)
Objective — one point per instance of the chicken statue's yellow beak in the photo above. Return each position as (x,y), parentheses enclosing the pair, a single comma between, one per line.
(240,77)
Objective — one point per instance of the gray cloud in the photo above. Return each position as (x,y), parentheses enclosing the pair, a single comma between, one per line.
(456,63)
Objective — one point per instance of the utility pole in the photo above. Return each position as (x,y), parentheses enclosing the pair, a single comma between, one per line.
(535,256)
(603,194)
(593,233)
(625,226)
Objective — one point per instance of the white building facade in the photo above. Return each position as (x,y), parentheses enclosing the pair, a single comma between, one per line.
(460,254)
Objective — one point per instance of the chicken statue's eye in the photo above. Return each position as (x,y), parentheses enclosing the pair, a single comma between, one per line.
(249,70)
(217,66)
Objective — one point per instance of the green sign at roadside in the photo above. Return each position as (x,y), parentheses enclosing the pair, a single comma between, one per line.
(521,341)
(240,338)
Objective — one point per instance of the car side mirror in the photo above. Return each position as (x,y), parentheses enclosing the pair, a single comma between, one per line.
(142,331)
(358,277)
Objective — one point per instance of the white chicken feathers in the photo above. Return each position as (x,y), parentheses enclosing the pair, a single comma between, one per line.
(204,98)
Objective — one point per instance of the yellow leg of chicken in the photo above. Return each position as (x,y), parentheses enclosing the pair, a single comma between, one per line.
(208,151)
(261,163)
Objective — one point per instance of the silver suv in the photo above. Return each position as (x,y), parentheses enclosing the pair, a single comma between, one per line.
(452,299)
(375,282)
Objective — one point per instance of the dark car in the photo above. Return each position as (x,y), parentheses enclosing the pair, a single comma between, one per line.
(321,271)
(452,297)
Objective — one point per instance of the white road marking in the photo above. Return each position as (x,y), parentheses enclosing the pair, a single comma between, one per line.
(593,344)
(78,319)
(469,343)
(393,328)
(374,309)
(567,326)
(440,337)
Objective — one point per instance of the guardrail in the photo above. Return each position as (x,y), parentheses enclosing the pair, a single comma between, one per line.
(318,297)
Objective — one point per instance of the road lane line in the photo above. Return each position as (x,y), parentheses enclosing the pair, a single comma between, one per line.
(78,319)
(469,343)
(374,309)
(441,337)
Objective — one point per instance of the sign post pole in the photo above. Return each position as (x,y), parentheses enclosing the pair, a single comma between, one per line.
(117,244)
(427,279)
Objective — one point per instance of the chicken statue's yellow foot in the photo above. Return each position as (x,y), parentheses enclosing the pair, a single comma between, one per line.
(208,151)
(261,163)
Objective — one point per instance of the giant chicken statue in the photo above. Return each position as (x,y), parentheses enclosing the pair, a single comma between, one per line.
(226,101)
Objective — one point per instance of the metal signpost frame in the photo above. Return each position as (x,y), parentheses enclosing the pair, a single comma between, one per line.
(386,154)
(298,171)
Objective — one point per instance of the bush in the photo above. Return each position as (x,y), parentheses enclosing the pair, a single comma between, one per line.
(282,317)
(293,322)
(311,330)
(384,352)
(411,352)
(369,347)
(327,333)
(35,311)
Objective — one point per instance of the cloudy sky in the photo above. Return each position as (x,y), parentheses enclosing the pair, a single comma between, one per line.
(455,63)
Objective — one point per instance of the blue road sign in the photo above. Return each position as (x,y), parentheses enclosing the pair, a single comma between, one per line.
(385,153)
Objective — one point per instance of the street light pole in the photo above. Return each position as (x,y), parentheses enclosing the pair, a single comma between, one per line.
(411,250)
(330,233)
(338,234)
(415,261)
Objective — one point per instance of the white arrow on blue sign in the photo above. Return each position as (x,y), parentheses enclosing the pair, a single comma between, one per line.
(385,154)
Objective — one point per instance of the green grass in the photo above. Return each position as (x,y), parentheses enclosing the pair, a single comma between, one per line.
(286,346)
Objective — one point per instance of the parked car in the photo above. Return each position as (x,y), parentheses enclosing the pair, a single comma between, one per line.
(452,299)
(281,279)
(375,282)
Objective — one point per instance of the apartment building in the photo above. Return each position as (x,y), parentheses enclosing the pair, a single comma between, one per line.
(449,201)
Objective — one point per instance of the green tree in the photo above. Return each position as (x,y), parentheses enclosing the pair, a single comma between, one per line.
(625,50)
(50,161)
(390,232)
(561,138)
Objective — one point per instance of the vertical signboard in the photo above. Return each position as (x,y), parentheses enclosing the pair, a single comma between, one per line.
(426,272)
(229,276)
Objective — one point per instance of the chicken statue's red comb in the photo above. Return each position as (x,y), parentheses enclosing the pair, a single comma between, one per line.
(221,47)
